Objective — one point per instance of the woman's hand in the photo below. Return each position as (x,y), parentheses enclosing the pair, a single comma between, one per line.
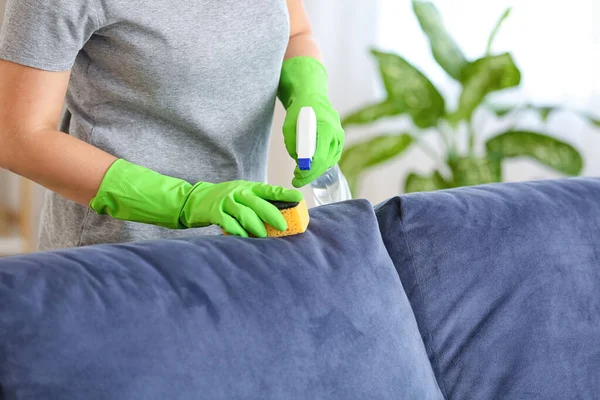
(304,84)
(239,207)
(134,193)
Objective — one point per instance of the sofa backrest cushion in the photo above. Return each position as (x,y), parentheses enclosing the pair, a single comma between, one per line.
(504,281)
(316,316)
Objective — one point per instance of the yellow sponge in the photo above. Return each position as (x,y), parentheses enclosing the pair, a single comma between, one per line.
(296,216)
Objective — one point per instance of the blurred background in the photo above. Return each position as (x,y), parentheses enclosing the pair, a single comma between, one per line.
(435,95)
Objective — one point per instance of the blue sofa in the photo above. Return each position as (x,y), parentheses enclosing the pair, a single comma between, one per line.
(489,292)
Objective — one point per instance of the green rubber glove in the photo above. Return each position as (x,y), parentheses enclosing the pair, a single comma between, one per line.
(303,83)
(134,193)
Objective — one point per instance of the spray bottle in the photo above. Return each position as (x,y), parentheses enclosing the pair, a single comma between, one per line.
(330,187)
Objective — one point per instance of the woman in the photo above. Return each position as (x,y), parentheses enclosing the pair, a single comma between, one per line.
(169,106)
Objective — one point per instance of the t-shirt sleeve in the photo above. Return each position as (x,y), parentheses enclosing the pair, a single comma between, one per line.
(46,34)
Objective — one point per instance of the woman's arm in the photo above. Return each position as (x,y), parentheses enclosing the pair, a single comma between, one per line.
(304,83)
(31,102)
(301,42)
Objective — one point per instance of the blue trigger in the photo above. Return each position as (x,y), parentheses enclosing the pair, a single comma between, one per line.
(304,164)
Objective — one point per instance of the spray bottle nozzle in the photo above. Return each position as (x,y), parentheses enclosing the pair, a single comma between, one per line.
(304,164)
(306,137)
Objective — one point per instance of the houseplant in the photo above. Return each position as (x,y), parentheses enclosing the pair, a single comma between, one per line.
(410,93)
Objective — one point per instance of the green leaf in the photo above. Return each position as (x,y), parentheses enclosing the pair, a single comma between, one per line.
(468,171)
(420,183)
(369,153)
(496,30)
(501,110)
(444,49)
(410,90)
(594,121)
(547,150)
(543,111)
(591,119)
(373,113)
(482,77)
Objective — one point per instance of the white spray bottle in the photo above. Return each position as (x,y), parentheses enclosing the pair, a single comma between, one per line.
(332,186)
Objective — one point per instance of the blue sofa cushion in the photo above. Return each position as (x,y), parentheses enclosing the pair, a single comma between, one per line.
(504,281)
(316,316)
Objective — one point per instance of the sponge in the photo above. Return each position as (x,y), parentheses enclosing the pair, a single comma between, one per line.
(296,216)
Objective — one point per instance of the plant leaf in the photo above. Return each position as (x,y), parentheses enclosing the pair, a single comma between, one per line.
(547,150)
(410,90)
(420,183)
(467,171)
(591,119)
(482,77)
(368,153)
(501,110)
(444,49)
(543,111)
(372,113)
(496,30)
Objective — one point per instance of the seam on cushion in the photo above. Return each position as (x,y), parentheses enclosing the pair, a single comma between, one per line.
(385,245)
(406,235)
(591,232)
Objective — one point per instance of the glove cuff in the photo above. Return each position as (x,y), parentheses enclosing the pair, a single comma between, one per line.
(302,77)
(133,193)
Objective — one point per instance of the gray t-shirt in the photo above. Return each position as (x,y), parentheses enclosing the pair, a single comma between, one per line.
(186,88)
